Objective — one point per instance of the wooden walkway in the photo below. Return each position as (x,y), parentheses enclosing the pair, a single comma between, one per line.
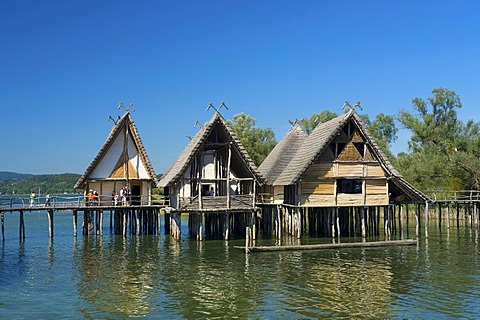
(447,207)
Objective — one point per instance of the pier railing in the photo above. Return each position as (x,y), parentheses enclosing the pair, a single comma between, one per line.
(241,201)
(453,195)
(72,201)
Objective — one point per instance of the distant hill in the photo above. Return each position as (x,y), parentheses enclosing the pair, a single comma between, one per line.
(24,183)
(5,175)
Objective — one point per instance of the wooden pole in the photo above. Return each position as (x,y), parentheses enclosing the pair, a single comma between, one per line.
(137,213)
(22,226)
(362,215)
(159,221)
(74,217)
(254,225)
(406,212)
(228,175)
(458,214)
(332,220)
(3,226)
(227,225)
(200,227)
(417,220)
(50,223)
(448,216)
(385,221)
(439,216)
(100,224)
(124,226)
(426,219)
(374,244)
(337,218)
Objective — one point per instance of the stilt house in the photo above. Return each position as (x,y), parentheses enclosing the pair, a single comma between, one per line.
(213,173)
(337,165)
(122,161)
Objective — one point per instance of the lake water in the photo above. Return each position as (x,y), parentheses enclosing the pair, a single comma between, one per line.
(157,277)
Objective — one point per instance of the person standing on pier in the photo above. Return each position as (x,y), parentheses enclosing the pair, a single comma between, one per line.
(114,198)
(32,199)
(90,197)
(123,196)
(47,200)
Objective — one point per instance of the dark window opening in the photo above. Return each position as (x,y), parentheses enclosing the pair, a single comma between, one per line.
(360,147)
(349,186)
(340,147)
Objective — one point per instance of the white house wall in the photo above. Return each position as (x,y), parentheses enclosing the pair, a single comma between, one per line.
(107,164)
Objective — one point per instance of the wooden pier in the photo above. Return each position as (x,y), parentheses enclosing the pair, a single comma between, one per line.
(448,209)
(133,219)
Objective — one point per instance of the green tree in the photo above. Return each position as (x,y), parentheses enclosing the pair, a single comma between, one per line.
(383,130)
(323,116)
(444,149)
(257,141)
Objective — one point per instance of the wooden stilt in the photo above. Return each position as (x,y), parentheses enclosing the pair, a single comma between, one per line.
(138,221)
(22,226)
(200,227)
(227,225)
(50,223)
(100,222)
(426,219)
(254,225)
(406,214)
(439,216)
(458,215)
(417,220)
(337,219)
(124,221)
(74,217)
(400,218)
(362,216)
(448,216)
(3,226)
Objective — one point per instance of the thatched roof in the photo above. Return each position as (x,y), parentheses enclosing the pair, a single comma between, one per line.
(116,130)
(241,162)
(317,142)
(278,159)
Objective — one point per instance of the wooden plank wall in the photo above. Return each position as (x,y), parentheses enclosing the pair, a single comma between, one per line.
(319,189)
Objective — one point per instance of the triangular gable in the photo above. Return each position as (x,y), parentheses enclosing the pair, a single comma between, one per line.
(121,153)
(350,153)
(183,161)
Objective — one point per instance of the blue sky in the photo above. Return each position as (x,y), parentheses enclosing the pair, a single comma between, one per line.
(65,66)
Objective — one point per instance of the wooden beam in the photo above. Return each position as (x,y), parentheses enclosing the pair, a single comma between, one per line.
(374,244)
(229,161)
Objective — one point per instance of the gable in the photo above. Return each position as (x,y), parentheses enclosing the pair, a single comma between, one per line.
(120,155)
(114,162)
(214,135)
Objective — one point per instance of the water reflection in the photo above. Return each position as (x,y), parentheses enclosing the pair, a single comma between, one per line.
(157,277)
(117,275)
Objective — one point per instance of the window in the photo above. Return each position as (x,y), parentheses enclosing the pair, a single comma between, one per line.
(349,186)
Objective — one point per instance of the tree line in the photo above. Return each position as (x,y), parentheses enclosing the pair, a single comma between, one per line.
(46,183)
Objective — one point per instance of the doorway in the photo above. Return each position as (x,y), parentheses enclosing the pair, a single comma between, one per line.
(136,195)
